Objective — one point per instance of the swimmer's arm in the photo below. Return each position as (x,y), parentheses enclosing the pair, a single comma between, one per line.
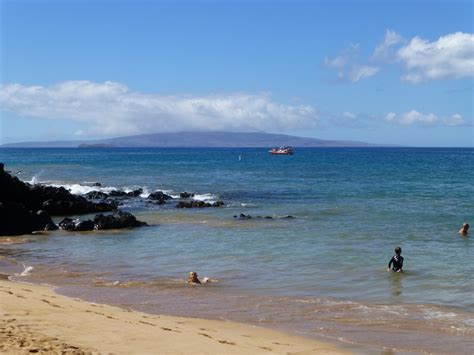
(390,264)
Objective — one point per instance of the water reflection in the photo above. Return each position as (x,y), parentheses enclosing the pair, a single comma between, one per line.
(396,283)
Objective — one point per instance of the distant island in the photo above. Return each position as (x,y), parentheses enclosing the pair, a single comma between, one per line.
(195,140)
(96,145)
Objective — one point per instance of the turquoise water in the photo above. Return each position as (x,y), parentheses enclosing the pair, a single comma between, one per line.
(321,273)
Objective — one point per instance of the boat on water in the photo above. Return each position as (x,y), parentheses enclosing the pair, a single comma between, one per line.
(282,151)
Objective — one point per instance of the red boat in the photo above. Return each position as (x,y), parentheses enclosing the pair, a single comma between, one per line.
(281,151)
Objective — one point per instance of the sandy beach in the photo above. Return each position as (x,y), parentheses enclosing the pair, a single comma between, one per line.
(36,320)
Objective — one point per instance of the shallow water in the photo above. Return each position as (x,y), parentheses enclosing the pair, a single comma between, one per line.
(323,272)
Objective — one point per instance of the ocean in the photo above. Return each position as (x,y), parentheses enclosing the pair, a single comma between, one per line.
(321,274)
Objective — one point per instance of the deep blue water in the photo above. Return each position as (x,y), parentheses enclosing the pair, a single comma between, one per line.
(351,208)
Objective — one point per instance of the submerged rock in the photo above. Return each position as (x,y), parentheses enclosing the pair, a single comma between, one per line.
(247,216)
(186,194)
(243,216)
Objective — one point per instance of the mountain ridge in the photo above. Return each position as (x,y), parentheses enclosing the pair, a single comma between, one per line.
(196,140)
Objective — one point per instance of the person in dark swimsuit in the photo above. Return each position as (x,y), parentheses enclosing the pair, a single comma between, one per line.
(396,262)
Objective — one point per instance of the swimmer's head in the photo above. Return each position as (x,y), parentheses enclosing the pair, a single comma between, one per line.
(398,250)
(465,226)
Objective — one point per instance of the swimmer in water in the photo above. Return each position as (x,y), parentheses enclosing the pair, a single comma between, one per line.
(193,279)
(396,262)
(464,229)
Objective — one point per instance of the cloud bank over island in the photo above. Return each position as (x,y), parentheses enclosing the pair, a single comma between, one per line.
(112,109)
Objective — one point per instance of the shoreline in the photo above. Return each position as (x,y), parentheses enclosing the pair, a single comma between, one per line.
(35,318)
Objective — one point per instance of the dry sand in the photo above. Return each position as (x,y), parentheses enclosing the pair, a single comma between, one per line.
(33,319)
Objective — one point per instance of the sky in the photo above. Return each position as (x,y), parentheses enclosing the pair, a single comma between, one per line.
(387,72)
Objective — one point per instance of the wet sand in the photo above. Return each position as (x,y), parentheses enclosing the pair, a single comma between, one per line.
(36,320)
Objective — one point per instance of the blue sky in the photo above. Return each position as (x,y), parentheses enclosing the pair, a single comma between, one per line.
(397,72)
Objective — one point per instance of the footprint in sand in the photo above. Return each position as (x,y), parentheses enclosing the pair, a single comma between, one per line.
(265,348)
(170,330)
(205,335)
(51,304)
(226,342)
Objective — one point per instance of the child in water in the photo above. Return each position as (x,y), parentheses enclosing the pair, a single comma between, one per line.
(464,229)
(396,262)
(193,279)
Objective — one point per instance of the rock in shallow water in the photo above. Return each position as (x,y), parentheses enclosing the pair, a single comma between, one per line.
(16,219)
(198,204)
(26,208)
(118,220)
(159,196)
(75,207)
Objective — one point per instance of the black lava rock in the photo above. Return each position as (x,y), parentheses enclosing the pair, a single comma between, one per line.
(198,204)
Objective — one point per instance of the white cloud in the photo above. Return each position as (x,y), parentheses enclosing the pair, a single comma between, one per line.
(110,108)
(414,117)
(454,120)
(384,50)
(347,65)
(361,72)
(451,56)
(350,115)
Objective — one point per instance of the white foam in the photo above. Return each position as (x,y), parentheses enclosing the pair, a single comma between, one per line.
(78,189)
(205,197)
(25,271)
(34,179)
(432,314)
(469,322)
(82,189)
(144,194)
